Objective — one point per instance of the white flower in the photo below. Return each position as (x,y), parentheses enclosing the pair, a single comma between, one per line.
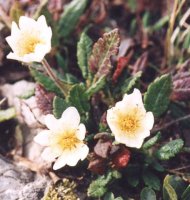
(129,121)
(64,139)
(31,41)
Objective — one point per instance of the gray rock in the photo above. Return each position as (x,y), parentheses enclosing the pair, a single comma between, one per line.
(18,183)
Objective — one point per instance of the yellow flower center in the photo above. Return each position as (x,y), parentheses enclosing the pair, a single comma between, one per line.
(129,123)
(28,44)
(66,141)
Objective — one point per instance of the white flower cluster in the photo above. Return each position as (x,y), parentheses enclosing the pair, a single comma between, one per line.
(63,141)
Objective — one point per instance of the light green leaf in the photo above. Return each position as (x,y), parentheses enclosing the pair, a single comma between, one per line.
(16,11)
(70,16)
(78,98)
(148,194)
(152,141)
(98,187)
(170,149)
(59,105)
(96,86)
(168,191)
(7,114)
(84,48)
(129,83)
(110,196)
(151,180)
(156,98)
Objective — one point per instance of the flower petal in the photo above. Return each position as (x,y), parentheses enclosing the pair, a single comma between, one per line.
(48,154)
(81,131)
(84,151)
(27,23)
(148,121)
(61,161)
(70,118)
(43,138)
(51,122)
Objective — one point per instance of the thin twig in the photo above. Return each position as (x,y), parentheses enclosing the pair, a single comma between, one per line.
(171,123)
(5,18)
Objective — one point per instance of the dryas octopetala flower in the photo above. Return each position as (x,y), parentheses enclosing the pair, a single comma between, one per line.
(129,121)
(31,41)
(64,139)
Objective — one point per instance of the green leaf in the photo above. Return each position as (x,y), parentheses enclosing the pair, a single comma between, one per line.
(27,94)
(84,48)
(78,98)
(129,83)
(103,49)
(96,86)
(168,191)
(45,81)
(148,194)
(151,180)
(110,196)
(152,141)
(59,105)
(132,175)
(70,16)
(186,194)
(156,98)
(98,187)
(170,149)
(7,114)
(41,6)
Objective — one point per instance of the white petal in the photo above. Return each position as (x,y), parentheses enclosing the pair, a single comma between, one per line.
(70,118)
(43,138)
(42,22)
(51,122)
(14,30)
(13,56)
(26,23)
(84,151)
(49,155)
(61,161)
(81,131)
(148,121)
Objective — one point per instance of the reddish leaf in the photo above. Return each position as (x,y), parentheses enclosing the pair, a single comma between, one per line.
(97,166)
(181,87)
(121,64)
(44,99)
(103,49)
(102,148)
(121,158)
(140,64)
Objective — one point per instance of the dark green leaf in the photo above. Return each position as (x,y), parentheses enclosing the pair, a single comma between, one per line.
(59,105)
(148,194)
(156,98)
(132,175)
(78,98)
(152,141)
(130,83)
(186,194)
(84,48)
(103,49)
(45,81)
(151,180)
(7,114)
(170,149)
(70,16)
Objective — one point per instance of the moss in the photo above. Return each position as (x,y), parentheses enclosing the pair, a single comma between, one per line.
(62,190)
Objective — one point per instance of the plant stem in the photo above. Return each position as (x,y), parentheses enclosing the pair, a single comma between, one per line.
(52,76)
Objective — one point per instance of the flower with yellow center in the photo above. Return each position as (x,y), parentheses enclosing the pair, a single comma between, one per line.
(129,121)
(64,139)
(31,41)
